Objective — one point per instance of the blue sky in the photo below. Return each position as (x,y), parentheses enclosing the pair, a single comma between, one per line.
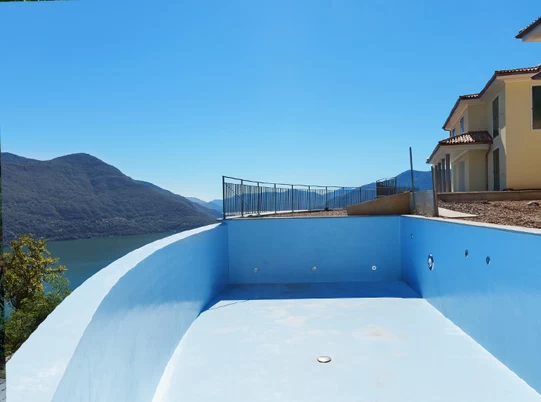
(180,92)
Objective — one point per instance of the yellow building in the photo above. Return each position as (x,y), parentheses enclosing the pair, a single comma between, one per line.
(494,138)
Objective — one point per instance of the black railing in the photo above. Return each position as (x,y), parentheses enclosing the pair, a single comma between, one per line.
(243,197)
(386,187)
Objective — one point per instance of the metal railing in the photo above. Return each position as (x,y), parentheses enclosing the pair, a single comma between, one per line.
(243,197)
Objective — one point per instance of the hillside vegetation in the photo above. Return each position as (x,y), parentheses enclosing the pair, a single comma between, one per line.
(80,196)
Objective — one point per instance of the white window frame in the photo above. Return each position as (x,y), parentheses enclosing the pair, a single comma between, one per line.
(463,125)
(531,107)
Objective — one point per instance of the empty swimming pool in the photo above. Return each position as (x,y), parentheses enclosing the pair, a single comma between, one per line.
(406,308)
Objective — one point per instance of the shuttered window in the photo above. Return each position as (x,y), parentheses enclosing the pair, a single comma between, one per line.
(496,117)
(536,108)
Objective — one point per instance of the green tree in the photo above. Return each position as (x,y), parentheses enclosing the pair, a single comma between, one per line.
(28,268)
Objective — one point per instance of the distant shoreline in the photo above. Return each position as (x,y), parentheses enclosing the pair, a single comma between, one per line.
(6,242)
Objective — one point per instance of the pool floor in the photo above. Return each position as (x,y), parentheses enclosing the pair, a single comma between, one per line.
(261,342)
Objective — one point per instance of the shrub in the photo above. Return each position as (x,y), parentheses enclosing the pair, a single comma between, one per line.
(28,267)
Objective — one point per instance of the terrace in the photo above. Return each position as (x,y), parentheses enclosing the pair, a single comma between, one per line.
(241,311)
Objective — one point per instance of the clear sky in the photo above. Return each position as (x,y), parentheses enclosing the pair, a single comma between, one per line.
(179,93)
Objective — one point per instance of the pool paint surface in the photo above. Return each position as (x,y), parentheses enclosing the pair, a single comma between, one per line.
(341,250)
(261,342)
(136,330)
(498,304)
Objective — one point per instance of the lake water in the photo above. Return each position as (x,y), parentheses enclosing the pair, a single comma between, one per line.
(85,257)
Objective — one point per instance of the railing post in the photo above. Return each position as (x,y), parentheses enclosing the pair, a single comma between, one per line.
(258,199)
(275,198)
(360,195)
(292,200)
(223,196)
(309,199)
(242,198)
(326,198)
(412,182)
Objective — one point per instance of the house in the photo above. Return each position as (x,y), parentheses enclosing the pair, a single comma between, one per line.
(494,140)
(532,33)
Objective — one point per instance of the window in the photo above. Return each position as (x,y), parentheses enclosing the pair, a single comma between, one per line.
(453,133)
(496,117)
(462,125)
(536,108)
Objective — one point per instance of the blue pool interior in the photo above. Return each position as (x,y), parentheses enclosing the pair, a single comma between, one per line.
(383,339)
(240,311)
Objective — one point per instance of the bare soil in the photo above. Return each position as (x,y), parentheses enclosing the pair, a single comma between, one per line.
(514,213)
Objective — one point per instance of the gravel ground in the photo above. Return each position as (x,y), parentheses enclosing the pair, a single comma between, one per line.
(514,213)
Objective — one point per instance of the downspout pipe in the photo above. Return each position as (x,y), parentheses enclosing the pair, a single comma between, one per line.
(486,166)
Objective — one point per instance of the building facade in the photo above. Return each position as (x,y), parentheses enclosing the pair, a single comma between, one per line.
(494,136)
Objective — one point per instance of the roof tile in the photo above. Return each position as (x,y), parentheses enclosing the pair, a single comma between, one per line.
(469,96)
(523,70)
(471,137)
(524,31)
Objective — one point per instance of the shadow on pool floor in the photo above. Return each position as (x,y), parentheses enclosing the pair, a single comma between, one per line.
(283,291)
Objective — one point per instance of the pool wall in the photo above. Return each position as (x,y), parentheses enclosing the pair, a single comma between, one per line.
(145,316)
(498,304)
(112,338)
(340,249)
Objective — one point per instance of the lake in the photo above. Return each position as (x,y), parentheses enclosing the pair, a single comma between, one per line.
(85,257)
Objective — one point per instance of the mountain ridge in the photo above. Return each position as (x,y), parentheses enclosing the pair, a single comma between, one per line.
(79,196)
(214,205)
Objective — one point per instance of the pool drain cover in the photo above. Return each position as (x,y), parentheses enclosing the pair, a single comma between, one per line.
(324,359)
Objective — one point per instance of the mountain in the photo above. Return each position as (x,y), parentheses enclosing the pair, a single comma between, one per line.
(215,205)
(80,196)
(218,204)
(206,207)
(16,159)
(422,180)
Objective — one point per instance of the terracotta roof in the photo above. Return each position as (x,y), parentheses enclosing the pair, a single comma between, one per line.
(497,73)
(470,96)
(525,31)
(524,70)
(469,138)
